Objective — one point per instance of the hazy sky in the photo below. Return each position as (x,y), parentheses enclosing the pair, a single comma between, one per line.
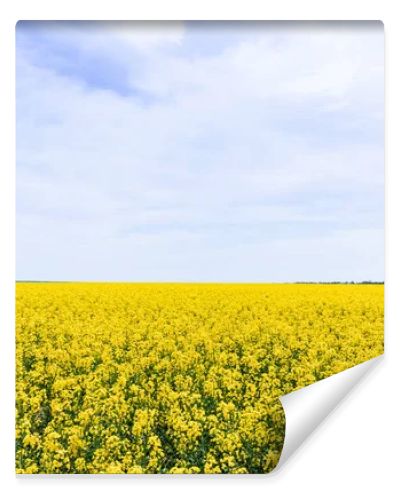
(200,151)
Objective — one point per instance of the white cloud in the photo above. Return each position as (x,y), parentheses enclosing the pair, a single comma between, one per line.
(253,135)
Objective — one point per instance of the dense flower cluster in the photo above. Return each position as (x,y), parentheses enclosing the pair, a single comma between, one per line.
(173,378)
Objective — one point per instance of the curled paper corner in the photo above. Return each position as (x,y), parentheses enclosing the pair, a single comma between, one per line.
(306,408)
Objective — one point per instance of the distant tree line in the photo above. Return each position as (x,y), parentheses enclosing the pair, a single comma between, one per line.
(367,282)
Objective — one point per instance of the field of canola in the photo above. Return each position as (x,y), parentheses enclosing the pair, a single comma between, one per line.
(176,378)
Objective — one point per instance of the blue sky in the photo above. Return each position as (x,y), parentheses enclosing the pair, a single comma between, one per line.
(200,151)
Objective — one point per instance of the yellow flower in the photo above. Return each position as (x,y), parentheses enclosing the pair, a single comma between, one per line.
(31,440)
(173,378)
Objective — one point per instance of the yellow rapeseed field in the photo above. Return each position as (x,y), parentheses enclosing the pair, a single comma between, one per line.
(176,378)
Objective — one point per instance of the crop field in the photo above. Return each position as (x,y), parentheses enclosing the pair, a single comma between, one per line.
(176,378)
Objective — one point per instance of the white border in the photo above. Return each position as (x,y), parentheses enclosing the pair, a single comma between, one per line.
(355,452)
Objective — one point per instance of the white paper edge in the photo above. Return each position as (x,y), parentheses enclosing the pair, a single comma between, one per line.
(305,409)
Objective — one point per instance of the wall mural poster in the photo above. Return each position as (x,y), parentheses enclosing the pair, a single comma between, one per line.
(200,233)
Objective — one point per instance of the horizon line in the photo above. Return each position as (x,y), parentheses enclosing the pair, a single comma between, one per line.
(299,282)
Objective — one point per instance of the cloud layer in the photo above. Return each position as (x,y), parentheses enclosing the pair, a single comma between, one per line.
(200,151)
